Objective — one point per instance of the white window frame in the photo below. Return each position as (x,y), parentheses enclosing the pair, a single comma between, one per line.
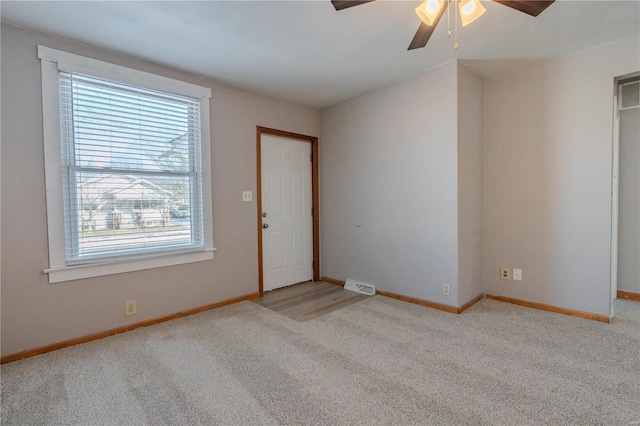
(52,62)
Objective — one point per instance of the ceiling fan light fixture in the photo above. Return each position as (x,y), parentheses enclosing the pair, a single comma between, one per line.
(470,10)
(428,11)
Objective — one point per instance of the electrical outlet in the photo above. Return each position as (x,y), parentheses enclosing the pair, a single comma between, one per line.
(247,196)
(517,274)
(129,308)
(446,289)
(505,274)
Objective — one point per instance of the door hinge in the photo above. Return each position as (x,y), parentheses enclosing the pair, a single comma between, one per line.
(311,157)
(312,264)
(311,211)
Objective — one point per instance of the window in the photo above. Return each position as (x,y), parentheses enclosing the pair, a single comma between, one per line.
(127,162)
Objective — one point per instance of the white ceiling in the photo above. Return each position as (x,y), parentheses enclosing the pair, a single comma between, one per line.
(307,52)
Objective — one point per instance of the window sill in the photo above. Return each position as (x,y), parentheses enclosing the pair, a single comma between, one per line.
(70,273)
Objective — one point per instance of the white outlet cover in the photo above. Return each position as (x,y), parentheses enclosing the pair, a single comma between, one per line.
(446,289)
(247,195)
(129,308)
(517,274)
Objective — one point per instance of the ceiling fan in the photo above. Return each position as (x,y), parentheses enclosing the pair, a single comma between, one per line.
(430,12)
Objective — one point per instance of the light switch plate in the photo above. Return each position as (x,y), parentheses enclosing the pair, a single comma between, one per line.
(247,196)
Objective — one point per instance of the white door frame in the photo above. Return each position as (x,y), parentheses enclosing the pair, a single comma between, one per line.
(314,197)
(615,184)
(615,200)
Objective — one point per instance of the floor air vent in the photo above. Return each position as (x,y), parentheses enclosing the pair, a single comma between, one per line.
(357,286)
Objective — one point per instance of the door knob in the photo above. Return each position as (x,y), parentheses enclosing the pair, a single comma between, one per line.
(265,225)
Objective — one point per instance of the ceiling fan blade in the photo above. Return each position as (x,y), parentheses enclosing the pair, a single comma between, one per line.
(424,32)
(344,4)
(530,7)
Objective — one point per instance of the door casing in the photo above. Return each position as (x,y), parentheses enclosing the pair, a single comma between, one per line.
(615,187)
(315,198)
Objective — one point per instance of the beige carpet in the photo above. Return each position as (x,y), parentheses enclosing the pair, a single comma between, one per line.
(379,361)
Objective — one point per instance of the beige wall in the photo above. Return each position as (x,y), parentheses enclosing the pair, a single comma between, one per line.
(36,313)
(388,161)
(629,202)
(548,156)
(470,190)
(401,161)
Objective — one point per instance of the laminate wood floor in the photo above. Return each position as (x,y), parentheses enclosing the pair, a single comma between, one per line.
(306,301)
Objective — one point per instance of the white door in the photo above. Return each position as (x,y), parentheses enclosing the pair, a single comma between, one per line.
(287,238)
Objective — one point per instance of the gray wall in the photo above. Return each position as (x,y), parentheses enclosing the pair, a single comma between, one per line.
(388,161)
(548,144)
(629,204)
(36,313)
(470,188)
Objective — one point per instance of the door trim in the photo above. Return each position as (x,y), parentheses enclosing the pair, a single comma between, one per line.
(315,197)
(615,171)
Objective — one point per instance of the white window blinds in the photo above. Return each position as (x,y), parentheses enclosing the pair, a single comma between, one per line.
(132,169)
